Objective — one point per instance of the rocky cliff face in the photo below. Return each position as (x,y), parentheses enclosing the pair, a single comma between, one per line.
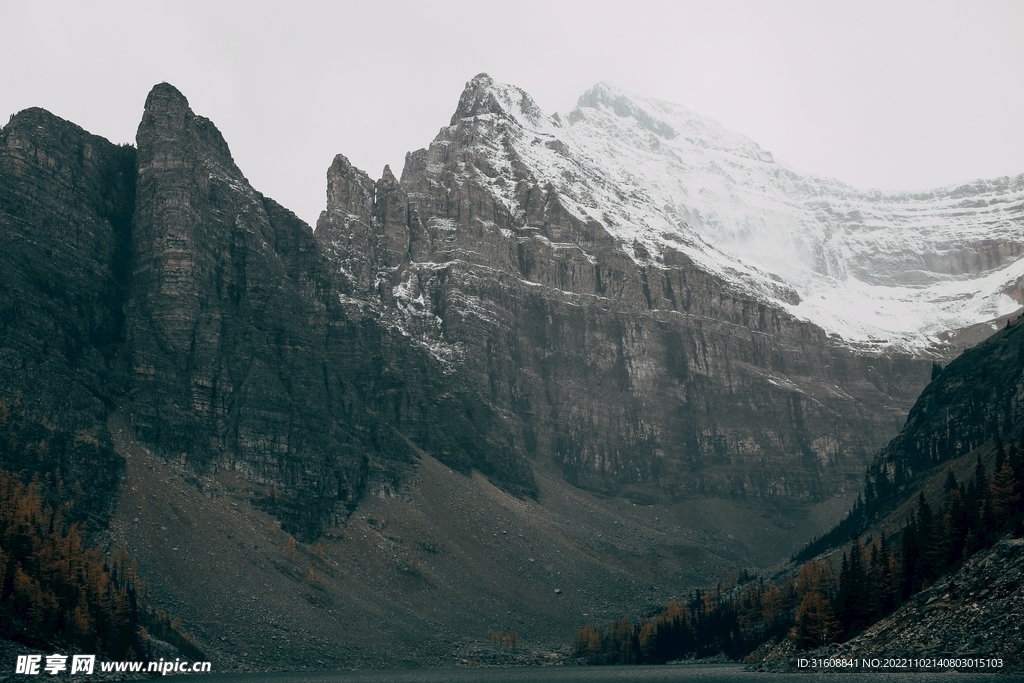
(639,374)
(247,354)
(166,284)
(66,202)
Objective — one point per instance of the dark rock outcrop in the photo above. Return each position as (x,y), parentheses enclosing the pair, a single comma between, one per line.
(228,325)
(66,201)
(166,284)
(247,354)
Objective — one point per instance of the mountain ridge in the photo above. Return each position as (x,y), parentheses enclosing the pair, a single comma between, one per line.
(721,199)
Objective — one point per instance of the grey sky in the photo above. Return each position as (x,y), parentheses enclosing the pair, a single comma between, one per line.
(878,94)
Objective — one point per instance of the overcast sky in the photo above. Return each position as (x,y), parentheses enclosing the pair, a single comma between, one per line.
(877,94)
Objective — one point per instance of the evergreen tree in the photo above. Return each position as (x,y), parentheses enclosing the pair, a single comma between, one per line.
(932,539)
(882,580)
(957,525)
(910,576)
(988,524)
(980,478)
(1004,496)
(853,603)
(1016,461)
(951,482)
(976,494)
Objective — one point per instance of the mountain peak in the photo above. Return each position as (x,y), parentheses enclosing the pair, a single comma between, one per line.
(37,116)
(483,95)
(164,97)
(167,116)
(603,92)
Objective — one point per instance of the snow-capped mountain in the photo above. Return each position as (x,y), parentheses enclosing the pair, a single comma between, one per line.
(628,285)
(879,270)
(616,300)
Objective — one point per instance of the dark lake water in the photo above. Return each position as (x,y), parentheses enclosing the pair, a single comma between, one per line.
(719,673)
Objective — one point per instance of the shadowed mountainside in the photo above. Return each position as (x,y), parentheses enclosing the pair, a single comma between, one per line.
(210,311)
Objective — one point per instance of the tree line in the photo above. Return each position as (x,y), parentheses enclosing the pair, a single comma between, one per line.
(822,604)
(55,588)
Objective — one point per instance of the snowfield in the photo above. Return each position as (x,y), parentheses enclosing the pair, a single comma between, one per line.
(879,270)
